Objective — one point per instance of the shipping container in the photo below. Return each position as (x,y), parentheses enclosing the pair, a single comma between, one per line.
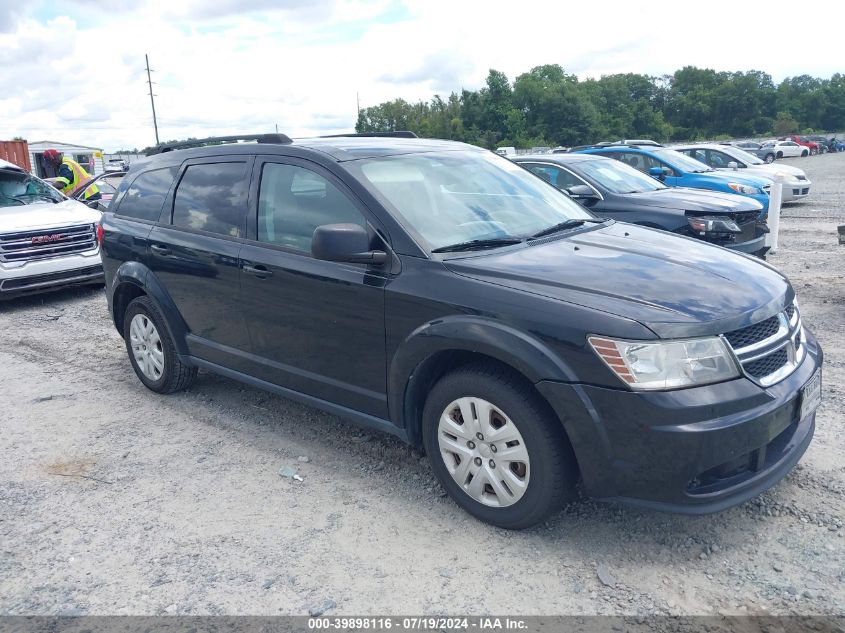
(16,152)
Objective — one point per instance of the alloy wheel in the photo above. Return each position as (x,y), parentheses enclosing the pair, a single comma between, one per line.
(146,347)
(484,452)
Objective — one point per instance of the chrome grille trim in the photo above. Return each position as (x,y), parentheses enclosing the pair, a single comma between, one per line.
(25,246)
(789,336)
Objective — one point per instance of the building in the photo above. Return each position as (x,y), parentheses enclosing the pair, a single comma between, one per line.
(91,158)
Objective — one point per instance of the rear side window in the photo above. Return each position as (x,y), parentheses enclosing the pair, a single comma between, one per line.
(145,196)
(212,197)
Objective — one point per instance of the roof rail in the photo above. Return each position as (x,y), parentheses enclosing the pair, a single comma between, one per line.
(279,139)
(397,134)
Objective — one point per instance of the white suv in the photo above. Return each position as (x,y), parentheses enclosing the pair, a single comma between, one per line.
(46,240)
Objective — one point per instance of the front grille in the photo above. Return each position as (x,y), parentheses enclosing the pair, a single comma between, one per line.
(27,246)
(747,217)
(767,365)
(767,189)
(772,349)
(805,191)
(753,333)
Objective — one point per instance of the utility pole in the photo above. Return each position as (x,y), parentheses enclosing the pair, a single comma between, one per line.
(152,101)
(358,102)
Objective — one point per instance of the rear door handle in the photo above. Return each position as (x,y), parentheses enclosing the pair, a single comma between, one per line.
(259,271)
(159,250)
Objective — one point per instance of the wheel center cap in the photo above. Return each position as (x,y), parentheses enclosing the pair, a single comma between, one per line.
(484,449)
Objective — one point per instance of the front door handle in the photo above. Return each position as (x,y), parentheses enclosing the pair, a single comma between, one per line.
(159,250)
(259,271)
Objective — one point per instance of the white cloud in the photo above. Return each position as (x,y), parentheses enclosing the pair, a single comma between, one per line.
(238,66)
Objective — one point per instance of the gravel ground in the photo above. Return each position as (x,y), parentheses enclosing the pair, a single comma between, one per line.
(116,501)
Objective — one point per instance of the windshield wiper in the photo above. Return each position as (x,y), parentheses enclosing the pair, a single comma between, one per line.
(4,197)
(43,196)
(472,245)
(571,223)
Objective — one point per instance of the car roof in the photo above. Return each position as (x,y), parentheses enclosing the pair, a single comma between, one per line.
(561,158)
(645,149)
(4,164)
(715,146)
(339,148)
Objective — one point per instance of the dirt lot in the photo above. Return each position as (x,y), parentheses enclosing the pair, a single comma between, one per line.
(114,500)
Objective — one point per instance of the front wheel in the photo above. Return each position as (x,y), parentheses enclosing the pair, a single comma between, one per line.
(770,158)
(497,448)
(804,154)
(780,154)
(813,152)
(151,350)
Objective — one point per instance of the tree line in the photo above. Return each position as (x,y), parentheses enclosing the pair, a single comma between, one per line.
(549,107)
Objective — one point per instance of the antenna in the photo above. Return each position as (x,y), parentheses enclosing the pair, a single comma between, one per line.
(152,101)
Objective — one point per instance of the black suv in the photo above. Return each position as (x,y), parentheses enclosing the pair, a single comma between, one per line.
(441,293)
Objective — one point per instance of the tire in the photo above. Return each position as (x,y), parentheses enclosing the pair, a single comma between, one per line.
(770,158)
(548,471)
(780,155)
(813,152)
(162,371)
(804,153)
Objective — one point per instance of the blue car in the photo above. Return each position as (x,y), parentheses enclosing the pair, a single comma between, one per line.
(678,170)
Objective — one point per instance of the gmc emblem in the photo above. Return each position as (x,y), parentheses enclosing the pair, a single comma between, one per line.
(43,239)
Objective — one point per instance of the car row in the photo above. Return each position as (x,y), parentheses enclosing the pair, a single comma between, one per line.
(794,181)
(613,189)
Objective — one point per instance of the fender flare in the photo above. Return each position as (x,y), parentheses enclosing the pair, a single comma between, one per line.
(137,274)
(468,333)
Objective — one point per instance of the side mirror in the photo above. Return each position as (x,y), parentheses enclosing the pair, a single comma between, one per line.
(733,165)
(345,243)
(658,172)
(581,192)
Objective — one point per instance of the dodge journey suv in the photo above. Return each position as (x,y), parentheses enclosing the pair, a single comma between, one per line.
(439,292)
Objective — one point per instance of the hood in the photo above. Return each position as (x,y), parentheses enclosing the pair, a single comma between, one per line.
(755,180)
(675,286)
(699,200)
(45,215)
(769,171)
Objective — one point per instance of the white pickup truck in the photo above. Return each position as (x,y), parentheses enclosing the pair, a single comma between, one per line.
(47,241)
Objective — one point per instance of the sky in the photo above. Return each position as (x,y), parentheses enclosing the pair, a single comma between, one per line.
(73,70)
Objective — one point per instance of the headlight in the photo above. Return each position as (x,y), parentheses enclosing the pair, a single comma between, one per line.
(746,189)
(713,224)
(650,366)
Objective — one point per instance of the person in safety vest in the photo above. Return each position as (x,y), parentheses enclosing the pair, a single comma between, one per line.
(71,175)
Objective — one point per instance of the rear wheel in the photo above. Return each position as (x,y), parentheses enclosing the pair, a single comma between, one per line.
(496,448)
(780,154)
(151,351)
(770,158)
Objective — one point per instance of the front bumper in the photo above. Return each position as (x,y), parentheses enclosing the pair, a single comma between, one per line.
(50,274)
(692,451)
(795,190)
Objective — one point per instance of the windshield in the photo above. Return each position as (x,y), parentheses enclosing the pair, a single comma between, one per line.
(20,188)
(617,177)
(681,162)
(454,197)
(745,157)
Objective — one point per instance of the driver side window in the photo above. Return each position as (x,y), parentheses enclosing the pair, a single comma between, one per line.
(294,201)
